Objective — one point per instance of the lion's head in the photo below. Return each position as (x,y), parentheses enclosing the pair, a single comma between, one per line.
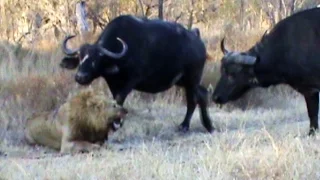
(93,109)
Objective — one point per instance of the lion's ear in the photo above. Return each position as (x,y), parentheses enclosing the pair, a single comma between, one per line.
(99,93)
(91,102)
(95,103)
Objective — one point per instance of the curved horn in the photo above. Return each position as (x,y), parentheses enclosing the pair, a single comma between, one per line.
(66,50)
(223,49)
(264,35)
(116,55)
(246,59)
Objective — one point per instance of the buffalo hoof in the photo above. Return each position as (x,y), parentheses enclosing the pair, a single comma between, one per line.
(312,132)
(183,128)
(208,126)
(211,131)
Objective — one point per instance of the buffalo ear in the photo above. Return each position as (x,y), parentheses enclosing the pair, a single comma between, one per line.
(69,62)
(196,31)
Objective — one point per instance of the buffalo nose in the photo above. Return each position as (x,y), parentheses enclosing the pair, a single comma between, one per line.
(81,76)
(63,65)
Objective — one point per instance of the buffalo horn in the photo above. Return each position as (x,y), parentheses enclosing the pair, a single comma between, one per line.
(264,35)
(66,50)
(116,55)
(223,49)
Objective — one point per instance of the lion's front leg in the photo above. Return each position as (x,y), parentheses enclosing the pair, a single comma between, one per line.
(75,146)
(78,147)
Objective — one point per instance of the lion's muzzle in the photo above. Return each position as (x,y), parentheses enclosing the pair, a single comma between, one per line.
(117,123)
(123,112)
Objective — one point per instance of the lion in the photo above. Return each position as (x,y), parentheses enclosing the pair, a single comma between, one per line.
(81,124)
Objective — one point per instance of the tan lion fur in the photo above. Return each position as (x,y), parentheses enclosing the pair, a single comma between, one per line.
(81,124)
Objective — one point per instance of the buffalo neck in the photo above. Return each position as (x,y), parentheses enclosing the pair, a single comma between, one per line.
(265,69)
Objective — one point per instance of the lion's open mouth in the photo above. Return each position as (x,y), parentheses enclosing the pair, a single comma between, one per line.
(116,125)
(118,121)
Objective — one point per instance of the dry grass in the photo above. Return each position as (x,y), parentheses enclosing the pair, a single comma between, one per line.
(262,136)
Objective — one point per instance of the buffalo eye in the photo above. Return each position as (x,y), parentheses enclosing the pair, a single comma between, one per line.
(223,71)
(234,69)
(230,78)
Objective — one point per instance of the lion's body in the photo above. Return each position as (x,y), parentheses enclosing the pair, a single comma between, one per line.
(44,129)
(80,124)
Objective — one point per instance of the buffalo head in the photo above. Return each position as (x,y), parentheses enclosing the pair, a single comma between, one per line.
(237,75)
(91,60)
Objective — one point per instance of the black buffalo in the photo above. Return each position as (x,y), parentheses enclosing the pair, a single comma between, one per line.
(289,54)
(145,55)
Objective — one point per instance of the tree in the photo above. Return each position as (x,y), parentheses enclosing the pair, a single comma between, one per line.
(160,9)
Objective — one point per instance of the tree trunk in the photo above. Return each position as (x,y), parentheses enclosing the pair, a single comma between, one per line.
(82,19)
(242,11)
(141,8)
(160,9)
(190,19)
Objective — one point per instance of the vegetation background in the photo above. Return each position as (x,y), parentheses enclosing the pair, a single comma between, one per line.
(260,136)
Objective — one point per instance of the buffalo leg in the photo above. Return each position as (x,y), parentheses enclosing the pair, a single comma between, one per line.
(312,101)
(121,94)
(114,91)
(191,105)
(202,94)
(120,98)
(117,95)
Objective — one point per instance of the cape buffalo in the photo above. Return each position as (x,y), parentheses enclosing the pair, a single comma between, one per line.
(289,54)
(145,55)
